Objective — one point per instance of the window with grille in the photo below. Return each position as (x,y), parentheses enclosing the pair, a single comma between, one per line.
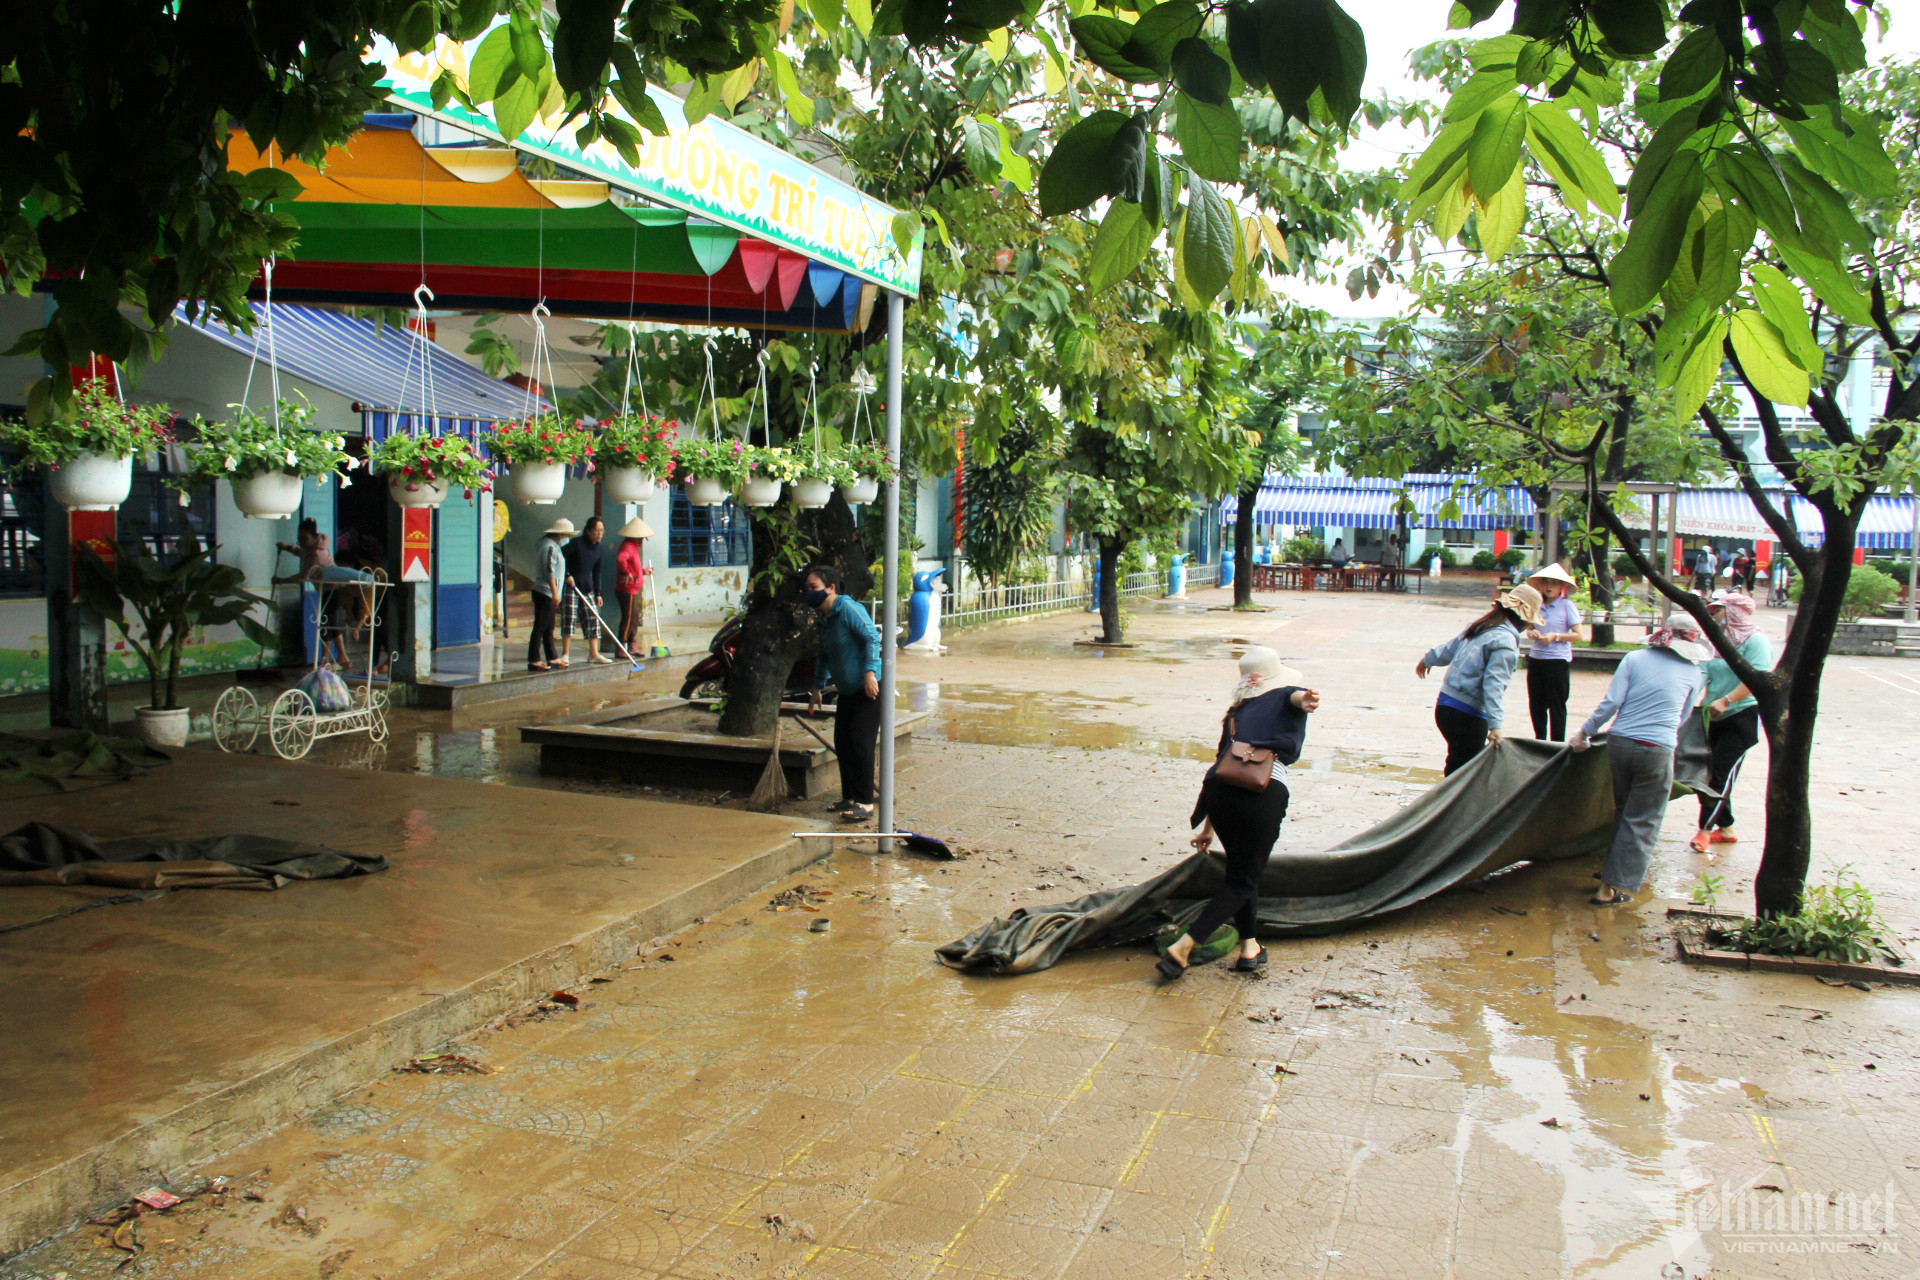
(707,536)
(23,505)
(153,513)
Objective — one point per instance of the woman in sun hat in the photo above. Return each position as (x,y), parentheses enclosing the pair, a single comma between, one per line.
(1480,663)
(1268,712)
(1550,660)
(549,582)
(630,578)
(1734,726)
(1651,691)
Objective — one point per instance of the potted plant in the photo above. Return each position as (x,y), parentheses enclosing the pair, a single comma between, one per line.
(88,452)
(818,474)
(539,452)
(871,467)
(168,602)
(712,468)
(421,470)
(634,452)
(768,471)
(265,463)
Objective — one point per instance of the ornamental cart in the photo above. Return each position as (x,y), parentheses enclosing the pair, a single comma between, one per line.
(345,622)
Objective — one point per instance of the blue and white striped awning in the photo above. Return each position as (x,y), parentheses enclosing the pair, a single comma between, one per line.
(1350,502)
(1886,524)
(376,366)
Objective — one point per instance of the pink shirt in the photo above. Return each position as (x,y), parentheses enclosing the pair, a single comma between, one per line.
(632,574)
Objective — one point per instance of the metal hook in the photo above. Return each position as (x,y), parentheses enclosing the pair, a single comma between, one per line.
(421,295)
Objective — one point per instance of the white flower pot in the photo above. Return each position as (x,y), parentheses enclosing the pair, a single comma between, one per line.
(416,493)
(813,493)
(702,492)
(271,495)
(865,489)
(757,492)
(92,482)
(539,483)
(628,484)
(163,727)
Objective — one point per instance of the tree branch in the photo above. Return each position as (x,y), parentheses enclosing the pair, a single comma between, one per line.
(1781,525)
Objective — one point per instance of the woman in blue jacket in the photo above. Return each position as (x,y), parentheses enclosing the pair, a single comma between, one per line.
(850,657)
(1480,662)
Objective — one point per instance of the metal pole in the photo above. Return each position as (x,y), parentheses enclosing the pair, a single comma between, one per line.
(890,565)
(1913,556)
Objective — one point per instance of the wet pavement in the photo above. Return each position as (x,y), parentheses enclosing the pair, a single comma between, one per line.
(1503,1081)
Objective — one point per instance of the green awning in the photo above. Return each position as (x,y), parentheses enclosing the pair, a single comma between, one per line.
(603,237)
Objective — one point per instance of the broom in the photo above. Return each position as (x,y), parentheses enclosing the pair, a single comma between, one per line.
(772,787)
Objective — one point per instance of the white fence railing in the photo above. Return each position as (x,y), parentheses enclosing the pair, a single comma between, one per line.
(976,603)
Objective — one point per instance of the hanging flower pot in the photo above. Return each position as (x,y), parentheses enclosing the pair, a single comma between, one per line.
(92,482)
(813,492)
(539,483)
(271,495)
(865,489)
(758,491)
(704,491)
(628,484)
(417,492)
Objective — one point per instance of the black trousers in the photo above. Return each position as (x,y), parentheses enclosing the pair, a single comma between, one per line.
(1729,739)
(1548,682)
(1466,736)
(542,630)
(1248,823)
(629,617)
(856,738)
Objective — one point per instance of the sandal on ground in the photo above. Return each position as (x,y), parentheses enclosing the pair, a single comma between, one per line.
(1251,964)
(1169,969)
(854,811)
(538,666)
(594,657)
(1700,842)
(562,662)
(1610,897)
(1720,836)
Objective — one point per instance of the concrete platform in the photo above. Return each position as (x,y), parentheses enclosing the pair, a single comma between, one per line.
(147,1037)
(649,742)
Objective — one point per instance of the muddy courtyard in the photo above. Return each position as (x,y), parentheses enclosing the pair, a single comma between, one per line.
(1503,1081)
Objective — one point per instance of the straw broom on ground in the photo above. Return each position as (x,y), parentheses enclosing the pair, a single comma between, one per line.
(772,787)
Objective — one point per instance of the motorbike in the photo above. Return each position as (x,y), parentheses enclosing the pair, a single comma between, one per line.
(707,678)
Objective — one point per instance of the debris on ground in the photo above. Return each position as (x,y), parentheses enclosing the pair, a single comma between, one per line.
(334,1263)
(441,1063)
(155,1198)
(786,1229)
(1345,1000)
(564,997)
(296,1217)
(819,926)
(805,897)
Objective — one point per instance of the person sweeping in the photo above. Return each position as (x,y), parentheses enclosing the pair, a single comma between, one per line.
(630,577)
(1651,690)
(850,657)
(1243,801)
(1734,726)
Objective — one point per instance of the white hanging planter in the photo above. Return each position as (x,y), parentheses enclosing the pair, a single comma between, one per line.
(865,489)
(92,482)
(813,493)
(757,492)
(416,493)
(628,484)
(539,484)
(704,492)
(271,495)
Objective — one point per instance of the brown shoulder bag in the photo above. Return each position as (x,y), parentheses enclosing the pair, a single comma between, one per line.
(1243,765)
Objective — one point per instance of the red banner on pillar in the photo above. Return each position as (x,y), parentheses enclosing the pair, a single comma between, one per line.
(1859,555)
(1679,556)
(1763,553)
(416,544)
(1499,542)
(93,530)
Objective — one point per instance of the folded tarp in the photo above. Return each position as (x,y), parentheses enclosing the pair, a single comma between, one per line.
(1526,801)
(42,853)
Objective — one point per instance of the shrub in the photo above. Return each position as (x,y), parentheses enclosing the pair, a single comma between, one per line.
(1868,591)
(1836,921)
(1513,557)
(1485,560)
(1623,567)
(1899,570)
(1299,549)
(1448,560)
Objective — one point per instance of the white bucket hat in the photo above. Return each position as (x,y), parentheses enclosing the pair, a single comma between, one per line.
(1683,638)
(1553,573)
(562,525)
(1261,671)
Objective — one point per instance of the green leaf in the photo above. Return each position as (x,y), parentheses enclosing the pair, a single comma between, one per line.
(1207,236)
(1473,97)
(1534,60)
(1497,136)
(703,99)
(1127,158)
(799,104)
(1764,356)
(1014,167)
(1447,152)
(1209,137)
(827,13)
(1243,43)
(631,93)
(1830,283)
(1752,181)
(1500,218)
(1667,142)
(906,227)
(1344,79)
(1810,77)
(1564,152)
(1075,174)
(1781,302)
(1119,245)
(1816,201)
(1635,28)
(980,143)
(1106,42)
(1724,241)
(1854,159)
(1639,270)
(1695,63)
(514,110)
(861,11)
(1163,27)
(1700,369)
(529,50)
(1201,73)
(493,68)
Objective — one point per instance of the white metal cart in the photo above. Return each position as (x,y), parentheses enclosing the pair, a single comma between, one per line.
(293,723)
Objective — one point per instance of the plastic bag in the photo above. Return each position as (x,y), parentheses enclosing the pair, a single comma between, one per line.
(327,689)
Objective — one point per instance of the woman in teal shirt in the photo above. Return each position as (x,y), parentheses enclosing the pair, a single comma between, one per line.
(850,657)
(1734,726)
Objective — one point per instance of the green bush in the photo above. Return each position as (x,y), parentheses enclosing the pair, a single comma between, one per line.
(1868,591)
(1300,548)
(1899,570)
(1485,560)
(1513,557)
(1448,560)
(1623,567)
(1836,921)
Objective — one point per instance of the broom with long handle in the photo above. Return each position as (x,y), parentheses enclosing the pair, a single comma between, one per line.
(772,787)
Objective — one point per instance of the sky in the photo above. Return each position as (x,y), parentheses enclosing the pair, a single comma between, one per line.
(1395,28)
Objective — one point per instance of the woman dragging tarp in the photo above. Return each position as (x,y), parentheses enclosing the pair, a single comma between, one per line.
(1735,724)
(1652,691)
(1243,802)
(1479,663)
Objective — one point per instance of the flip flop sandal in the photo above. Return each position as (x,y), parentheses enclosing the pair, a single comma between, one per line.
(1251,964)
(1169,969)
(1721,837)
(856,812)
(1618,899)
(1700,842)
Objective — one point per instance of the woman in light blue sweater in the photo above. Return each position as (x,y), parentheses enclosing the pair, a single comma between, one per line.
(1480,662)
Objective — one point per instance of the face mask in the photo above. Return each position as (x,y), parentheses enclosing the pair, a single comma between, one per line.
(817,597)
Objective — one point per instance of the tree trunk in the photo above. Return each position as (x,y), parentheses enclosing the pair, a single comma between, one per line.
(780,629)
(1110,593)
(1243,546)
